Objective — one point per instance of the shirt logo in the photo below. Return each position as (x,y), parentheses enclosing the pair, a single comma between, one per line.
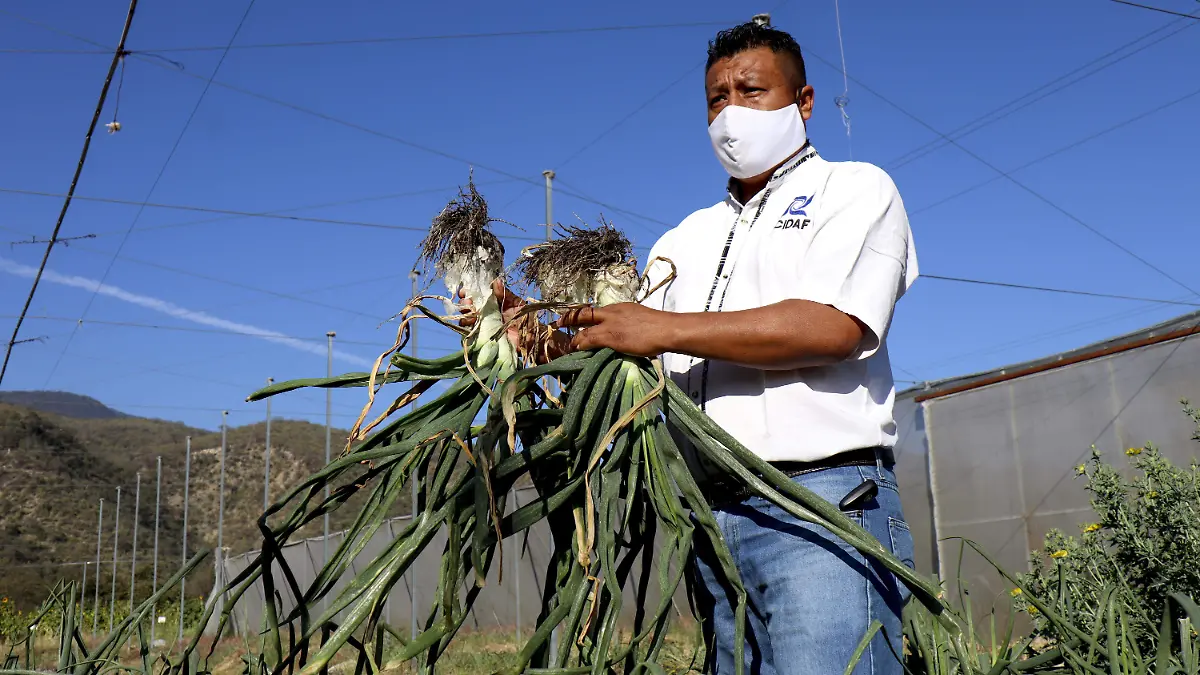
(798,205)
(795,218)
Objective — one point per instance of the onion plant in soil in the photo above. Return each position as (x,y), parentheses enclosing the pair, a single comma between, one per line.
(609,477)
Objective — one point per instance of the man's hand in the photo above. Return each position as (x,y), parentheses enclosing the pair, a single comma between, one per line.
(510,305)
(526,336)
(625,327)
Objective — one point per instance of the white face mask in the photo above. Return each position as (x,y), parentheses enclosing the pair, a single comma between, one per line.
(748,142)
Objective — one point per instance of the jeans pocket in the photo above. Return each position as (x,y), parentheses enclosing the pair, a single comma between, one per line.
(901,540)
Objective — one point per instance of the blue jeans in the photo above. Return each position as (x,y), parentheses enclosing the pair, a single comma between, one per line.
(810,596)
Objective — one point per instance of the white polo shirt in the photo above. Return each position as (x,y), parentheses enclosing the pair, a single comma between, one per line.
(830,232)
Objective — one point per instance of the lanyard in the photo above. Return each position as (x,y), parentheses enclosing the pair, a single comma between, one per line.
(721,263)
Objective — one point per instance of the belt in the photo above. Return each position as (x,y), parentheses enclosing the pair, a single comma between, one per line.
(726,493)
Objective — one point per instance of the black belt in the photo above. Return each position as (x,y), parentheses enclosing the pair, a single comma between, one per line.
(722,492)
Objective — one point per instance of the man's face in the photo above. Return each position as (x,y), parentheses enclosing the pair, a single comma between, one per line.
(756,78)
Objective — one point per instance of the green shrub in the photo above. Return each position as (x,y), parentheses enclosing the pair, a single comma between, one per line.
(1144,542)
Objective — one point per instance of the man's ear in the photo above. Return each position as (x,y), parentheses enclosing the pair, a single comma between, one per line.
(804,101)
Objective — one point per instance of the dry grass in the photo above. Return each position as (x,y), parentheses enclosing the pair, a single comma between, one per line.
(472,653)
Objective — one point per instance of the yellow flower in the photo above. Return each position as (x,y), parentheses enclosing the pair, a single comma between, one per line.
(1031,609)
(1152,494)
(1081,469)
(1133,451)
(1061,553)
(1015,592)
(1093,527)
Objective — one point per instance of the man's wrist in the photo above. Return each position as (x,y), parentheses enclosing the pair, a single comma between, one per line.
(673,332)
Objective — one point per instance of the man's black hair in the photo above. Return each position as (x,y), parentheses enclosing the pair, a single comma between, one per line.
(752,35)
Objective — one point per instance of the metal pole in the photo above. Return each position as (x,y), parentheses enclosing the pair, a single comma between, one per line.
(187,475)
(99,536)
(112,596)
(412,481)
(549,204)
(328,440)
(221,485)
(267,457)
(157,512)
(137,503)
(83,591)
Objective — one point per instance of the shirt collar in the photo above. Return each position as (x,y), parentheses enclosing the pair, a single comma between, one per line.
(806,152)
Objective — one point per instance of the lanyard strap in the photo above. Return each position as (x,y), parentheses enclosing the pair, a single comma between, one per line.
(807,155)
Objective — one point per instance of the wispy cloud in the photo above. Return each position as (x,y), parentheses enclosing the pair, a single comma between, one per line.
(171,309)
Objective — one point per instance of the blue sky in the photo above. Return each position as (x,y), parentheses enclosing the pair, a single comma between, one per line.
(521,104)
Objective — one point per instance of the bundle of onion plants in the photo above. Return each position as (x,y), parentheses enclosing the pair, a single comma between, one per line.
(613,478)
(610,478)
(459,488)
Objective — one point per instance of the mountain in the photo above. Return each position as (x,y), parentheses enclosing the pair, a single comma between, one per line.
(55,469)
(61,403)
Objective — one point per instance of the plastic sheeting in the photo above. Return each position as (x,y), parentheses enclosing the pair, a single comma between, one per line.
(997,464)
(511,602)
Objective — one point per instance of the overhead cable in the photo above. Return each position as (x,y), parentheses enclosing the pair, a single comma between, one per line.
(153,186)
(389,40)
(1122,125)
(1014,105)
(117,55)
(1012,179)
(1156,9)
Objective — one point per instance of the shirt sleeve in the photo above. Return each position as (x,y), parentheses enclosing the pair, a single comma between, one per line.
(861,260)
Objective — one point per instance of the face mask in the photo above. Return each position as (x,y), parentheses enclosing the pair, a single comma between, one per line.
(748,142)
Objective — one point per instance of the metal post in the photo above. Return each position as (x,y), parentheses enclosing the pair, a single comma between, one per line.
(112,596)
(137,503)
(187,476)
(154,574)
(267,457)
(221,486)
(83,591)
(549,204)
(328,440)
(99,536)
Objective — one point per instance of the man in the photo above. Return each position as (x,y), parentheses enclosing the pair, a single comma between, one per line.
(775,323)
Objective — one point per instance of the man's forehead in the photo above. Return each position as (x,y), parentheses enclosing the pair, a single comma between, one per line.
(757,61)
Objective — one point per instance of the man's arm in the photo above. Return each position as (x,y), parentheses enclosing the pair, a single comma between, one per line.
(783,336)
(834,305)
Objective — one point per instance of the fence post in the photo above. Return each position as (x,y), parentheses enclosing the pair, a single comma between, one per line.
(154,574)
(187,475)
(99,536)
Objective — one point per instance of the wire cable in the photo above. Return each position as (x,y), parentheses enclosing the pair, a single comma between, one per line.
(1043,91)
(341,122)
(391,40)
(1156,9)
(843,100)
(323,205)
(1067,291)
(87,142)
(189,329)
(204,209)
(1012,179)
(1054,153)
(154,186)
(616,125)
